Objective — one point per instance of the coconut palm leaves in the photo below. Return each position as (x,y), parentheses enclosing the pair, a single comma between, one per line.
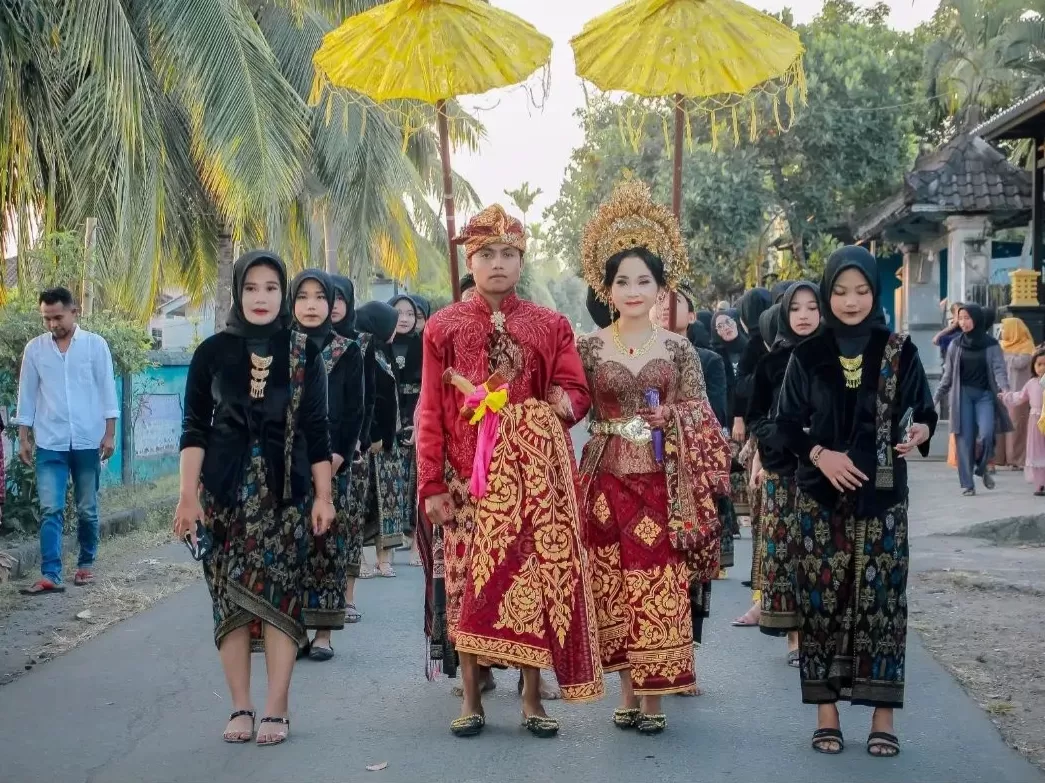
(182,127)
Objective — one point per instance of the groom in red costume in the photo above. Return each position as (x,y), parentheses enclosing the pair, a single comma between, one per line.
(502,383)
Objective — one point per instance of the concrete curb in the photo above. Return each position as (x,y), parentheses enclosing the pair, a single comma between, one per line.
(27,554)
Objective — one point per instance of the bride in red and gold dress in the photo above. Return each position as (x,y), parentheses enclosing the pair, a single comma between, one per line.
(656,462)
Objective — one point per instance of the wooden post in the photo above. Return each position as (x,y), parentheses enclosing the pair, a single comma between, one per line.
(1037,216)
(127,430)
(676,192)
(448,196)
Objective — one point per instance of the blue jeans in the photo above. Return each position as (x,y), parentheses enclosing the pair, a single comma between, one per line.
(53,469)
(977,427)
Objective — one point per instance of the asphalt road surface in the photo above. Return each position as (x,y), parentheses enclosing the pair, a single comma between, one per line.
(146,703)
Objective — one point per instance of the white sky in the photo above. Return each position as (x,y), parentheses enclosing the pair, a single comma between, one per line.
(527,144)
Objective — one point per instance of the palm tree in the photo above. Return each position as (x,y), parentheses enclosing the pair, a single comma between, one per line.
(523,198)
(987,54)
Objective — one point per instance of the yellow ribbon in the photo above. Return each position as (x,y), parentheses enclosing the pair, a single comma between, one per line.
(492,402)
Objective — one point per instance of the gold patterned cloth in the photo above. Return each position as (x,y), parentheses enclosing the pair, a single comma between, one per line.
(492,226)
(517,589)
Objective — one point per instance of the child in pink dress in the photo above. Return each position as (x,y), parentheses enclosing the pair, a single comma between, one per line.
(1032,393)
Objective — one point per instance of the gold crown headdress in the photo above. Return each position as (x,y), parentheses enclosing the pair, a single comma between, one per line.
(632,219)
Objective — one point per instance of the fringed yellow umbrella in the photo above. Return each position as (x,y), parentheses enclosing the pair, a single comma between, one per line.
(720,54)
(431,51)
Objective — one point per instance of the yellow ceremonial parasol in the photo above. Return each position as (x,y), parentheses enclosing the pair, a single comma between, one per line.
(431,51)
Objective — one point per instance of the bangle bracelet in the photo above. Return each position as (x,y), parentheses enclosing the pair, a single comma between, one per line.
(815,456)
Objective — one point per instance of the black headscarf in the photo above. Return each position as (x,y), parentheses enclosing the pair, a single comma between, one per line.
(405,298)
(699,335)
(734,347)
(852,339)
(345,289)
(978,338)
(422,305)
(598,310)
(767,325)
(467,281)
(704,317)
(785,335)
(778,290)
(751,306)
(236,323)
(990,315)
(316,334)
(378,319)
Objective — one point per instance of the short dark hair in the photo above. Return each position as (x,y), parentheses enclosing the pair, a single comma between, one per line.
(467,281)
(59,295)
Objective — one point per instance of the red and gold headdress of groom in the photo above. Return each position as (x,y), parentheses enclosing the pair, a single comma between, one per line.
(632,219)
(492,226)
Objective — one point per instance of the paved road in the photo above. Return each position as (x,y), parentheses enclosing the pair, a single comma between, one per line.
(139,705)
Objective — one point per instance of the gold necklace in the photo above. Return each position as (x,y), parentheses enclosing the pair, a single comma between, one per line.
(853,370)
(259,373)
(634,351)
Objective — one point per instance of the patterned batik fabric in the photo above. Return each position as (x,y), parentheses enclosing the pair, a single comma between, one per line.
(519,575)
(387,506)
(408,459)
(356,504)
(727,514)
(756,541)
(852,592)
(327,573)
(778,544)
(640,583)
(256,570)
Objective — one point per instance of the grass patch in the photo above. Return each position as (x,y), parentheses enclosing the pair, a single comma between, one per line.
(122,497)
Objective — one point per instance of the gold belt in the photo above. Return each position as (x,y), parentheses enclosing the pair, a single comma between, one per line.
(635,429)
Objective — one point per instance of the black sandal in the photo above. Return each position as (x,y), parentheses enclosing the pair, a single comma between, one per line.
(240,740)
(320,653)
(822,737)
(468,726)
(541,726)
(888,744)
(626,717)
(278,739)
(652,724)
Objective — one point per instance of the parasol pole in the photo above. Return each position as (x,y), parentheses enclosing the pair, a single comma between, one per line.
(676,188)
(448,196)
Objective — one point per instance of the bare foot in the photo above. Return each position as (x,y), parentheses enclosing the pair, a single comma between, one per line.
(488,684)
(749,618)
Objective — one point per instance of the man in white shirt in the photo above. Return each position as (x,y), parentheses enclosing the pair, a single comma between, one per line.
(67,396)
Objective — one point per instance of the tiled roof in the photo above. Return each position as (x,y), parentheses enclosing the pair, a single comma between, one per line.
(1030,104)
(964,176)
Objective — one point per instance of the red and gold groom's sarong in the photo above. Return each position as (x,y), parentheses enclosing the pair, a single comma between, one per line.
(516,588)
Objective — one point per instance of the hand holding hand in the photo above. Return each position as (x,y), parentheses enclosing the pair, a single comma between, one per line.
(657,417)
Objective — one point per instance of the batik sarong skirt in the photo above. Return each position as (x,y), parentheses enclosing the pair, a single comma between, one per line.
(852,592)
(777,546)
(256,569)
(640,583)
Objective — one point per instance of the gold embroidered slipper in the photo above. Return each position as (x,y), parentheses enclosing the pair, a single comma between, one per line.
(652,724)
(626,717)
(468,726)
(541,726)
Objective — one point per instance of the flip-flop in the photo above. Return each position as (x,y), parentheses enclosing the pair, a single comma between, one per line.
(83,577)
(41,586)
(738,624)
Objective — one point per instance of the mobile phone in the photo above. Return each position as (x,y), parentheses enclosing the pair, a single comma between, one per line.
(204,542)
(905,424)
